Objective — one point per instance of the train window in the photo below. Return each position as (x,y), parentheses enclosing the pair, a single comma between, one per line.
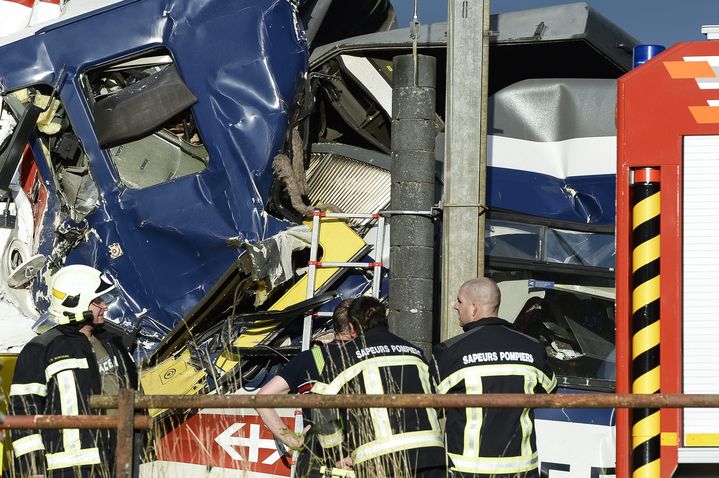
(522,241)
(142,116)
(575,323)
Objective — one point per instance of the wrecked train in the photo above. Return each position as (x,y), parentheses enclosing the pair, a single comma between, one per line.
(181,152)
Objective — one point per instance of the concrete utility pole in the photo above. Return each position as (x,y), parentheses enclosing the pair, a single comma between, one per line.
(412,251)
(465,157)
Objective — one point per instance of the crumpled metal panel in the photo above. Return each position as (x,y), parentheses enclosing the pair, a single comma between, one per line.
(168,244)
(552,149)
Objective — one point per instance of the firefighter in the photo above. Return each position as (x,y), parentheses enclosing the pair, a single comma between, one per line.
(298,376)
(490,357)
(57,371)
(376,441)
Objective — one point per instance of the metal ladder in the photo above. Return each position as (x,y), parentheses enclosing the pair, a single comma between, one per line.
(314,264)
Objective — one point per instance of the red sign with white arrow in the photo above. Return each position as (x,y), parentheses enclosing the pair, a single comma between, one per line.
(236,441)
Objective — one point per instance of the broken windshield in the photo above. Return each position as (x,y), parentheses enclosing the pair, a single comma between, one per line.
(574,322)
(142,114)
(518,241)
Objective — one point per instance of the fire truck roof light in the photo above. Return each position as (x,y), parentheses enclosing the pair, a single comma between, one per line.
(711,31)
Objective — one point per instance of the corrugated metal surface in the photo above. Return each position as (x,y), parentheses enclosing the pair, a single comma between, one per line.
(701,277)
(353,186)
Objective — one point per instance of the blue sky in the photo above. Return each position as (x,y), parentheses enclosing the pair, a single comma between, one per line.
(664,22)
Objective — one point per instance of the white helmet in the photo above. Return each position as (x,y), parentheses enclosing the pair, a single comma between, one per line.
(74,288)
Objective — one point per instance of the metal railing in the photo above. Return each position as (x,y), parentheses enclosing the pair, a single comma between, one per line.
(128,401)
(498,400)
(125,422)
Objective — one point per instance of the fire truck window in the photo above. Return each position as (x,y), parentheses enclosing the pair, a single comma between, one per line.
(173,150)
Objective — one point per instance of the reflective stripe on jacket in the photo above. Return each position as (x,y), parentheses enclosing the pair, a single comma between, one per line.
(56,373)
(377,362)
(491,357)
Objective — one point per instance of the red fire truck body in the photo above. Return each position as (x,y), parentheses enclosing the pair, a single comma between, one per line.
(668,124)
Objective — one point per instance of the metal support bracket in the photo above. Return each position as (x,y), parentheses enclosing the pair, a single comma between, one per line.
(482,208)
(388,213)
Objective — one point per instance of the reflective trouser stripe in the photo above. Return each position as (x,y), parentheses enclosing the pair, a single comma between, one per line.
(66,459)
(398,442)
(491,466)
(28,444)
(21,389)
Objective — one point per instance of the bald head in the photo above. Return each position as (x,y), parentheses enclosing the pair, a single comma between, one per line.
(484,291)
(477,298)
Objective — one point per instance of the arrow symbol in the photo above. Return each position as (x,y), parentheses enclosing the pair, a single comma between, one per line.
(227,440)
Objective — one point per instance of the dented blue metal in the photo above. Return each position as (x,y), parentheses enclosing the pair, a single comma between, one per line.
(168,244)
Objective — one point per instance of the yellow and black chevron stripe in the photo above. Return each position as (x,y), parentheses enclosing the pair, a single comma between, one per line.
(646,427)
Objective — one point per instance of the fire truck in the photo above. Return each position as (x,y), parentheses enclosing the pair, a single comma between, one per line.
(667,258)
